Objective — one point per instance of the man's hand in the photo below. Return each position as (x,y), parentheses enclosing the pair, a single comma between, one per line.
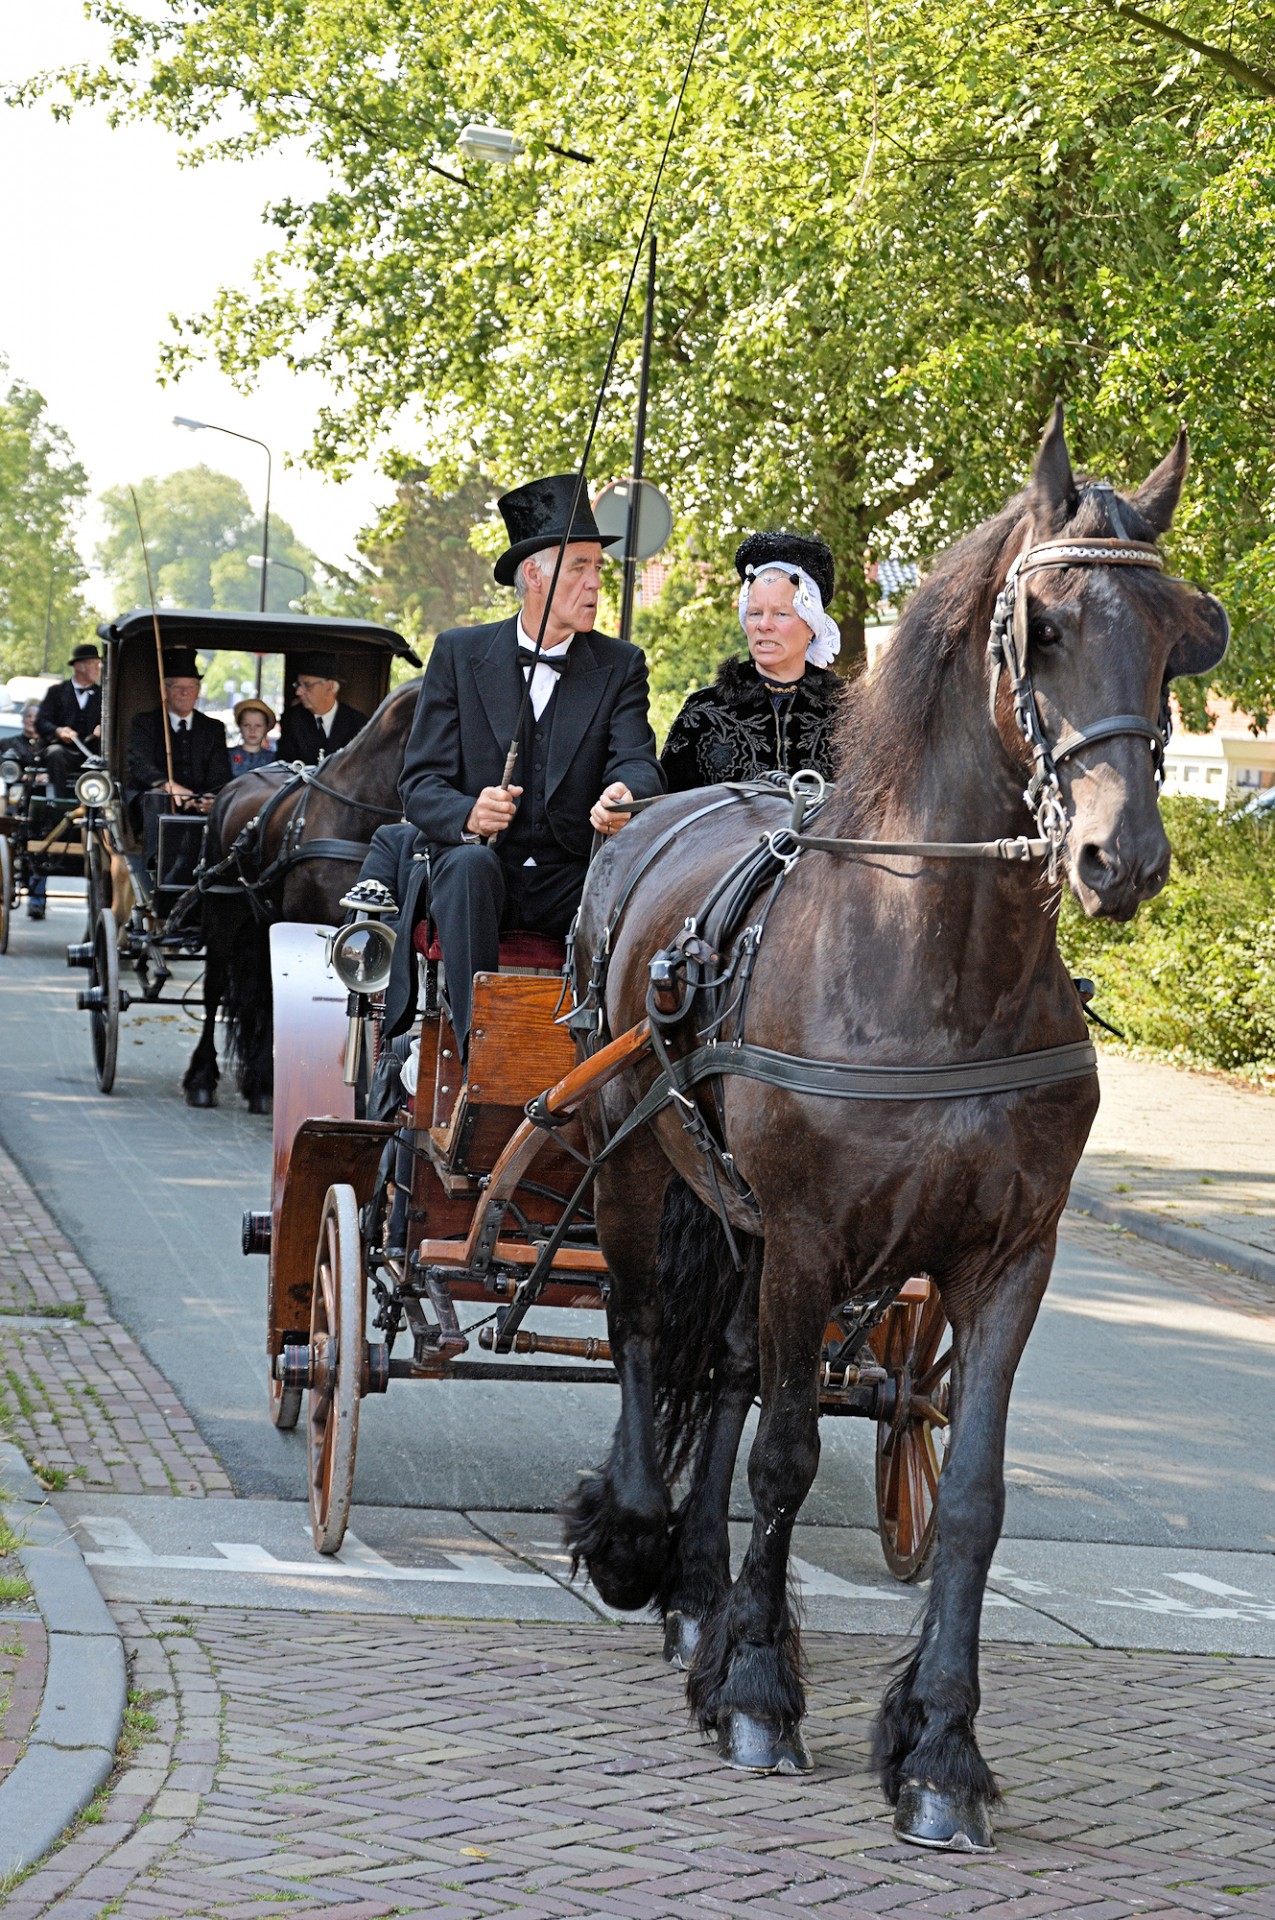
(176,790)
(493,811)
(609,823)
(67,734)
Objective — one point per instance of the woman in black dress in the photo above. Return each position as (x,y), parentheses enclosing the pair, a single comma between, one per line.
(777,709)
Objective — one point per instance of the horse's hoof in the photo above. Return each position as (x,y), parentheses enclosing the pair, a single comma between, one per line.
(947,1822)
(200,1097)
(755,1745)
(681,1637)
(258,1103)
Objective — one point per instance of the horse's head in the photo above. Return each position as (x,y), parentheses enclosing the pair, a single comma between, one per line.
(1101,635)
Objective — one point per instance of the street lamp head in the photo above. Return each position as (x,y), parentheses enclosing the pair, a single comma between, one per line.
(195,426)
(255,561)
(493,144)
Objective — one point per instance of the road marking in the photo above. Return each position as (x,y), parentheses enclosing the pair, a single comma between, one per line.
(120,1545)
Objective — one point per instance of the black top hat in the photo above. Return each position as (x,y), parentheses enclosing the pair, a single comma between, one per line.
(181,663)
(535,517)
(315,666)
(813,556)
(85,651)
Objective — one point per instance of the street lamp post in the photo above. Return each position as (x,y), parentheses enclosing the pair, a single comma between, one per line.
(259,565)
(206,426)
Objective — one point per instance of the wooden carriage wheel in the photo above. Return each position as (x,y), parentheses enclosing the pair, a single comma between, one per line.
(6,893)
(336,1367)
(912,1345)
(104,1017)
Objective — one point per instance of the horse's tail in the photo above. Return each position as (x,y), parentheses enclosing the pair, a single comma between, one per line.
(700,1288)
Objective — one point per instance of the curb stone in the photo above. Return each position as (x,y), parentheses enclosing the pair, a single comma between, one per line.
(1194,1241)
(71,1749)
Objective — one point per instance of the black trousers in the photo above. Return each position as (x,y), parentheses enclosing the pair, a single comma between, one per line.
(65,765)
(474,895)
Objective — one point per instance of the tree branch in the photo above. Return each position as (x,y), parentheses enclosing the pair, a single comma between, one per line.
(1263,83)
(925,483)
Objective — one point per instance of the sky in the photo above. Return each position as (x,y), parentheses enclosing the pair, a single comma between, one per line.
(103,235)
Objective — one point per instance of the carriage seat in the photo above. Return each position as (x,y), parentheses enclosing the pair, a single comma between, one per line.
(520,951)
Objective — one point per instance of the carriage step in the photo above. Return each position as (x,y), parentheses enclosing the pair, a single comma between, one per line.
(257,1229)
(80,954)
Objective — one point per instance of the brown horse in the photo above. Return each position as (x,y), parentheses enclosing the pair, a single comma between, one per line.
(896,960)
(281,847)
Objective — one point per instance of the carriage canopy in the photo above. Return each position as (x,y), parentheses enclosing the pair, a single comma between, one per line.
(130,681)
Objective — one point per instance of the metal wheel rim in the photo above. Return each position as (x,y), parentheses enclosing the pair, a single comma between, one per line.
(909,1343)
(104,1021)
(336,1319)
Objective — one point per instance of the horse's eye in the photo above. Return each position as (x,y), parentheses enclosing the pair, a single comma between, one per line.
(1044,633)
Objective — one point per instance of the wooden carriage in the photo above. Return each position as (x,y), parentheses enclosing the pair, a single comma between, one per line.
(491,1229)
(40,835)
(131,903)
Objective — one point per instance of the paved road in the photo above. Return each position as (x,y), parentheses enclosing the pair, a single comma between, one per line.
(1139,1415)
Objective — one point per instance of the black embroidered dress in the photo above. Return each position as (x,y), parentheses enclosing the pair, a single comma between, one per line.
(744,725)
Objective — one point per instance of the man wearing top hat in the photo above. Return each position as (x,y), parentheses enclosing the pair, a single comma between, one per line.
(200,759)
(71,711)
(516,856)
(320,722)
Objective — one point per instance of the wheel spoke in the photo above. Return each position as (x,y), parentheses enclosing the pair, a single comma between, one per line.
(925,1382)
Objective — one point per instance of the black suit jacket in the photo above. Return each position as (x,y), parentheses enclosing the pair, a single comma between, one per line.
(60,708)
(300,739)
(206,771)
(467,713)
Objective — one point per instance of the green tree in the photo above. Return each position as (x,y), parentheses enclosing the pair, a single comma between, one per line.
(41,488)
(888,239)
(427,575)
(200,535)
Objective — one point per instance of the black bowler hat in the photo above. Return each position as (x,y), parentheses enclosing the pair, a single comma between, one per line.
(813,556)
(535,517)
(316,666)
(87,651)
(180,663)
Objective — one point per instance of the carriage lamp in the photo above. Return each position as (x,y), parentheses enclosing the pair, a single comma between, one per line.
(93,789)
(360,955)
(10,770)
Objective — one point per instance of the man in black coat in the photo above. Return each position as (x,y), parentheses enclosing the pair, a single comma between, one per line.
(320,722)
(71,711)
(200,758)
(516,856)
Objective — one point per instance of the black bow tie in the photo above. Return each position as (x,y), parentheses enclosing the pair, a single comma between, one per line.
(556,662)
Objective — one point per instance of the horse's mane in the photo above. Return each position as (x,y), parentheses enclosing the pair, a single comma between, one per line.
(887,722)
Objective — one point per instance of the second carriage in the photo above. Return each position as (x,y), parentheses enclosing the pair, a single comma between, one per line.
(135,941)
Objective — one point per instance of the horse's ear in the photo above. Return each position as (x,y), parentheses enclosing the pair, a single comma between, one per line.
(1204,637)
(1157,498)
(1052,493)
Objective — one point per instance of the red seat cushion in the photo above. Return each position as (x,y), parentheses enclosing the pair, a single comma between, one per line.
(517,948)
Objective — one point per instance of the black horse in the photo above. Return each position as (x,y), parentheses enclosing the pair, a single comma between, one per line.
(892,960)
(262,873)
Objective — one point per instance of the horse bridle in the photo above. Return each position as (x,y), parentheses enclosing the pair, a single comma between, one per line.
(1007,646)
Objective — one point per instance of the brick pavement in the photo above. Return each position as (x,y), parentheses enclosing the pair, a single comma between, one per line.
(77,1394)
(23,1652)
(307,1765)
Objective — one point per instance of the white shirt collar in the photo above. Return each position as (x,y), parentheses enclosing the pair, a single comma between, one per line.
(175,721)
(325,719)
(81,693)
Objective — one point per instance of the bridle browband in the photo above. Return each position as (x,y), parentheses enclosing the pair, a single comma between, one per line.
(1007,646)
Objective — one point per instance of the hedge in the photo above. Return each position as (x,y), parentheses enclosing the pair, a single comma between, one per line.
(1193,974)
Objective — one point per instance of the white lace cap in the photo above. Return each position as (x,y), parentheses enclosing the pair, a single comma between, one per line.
(807,604)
